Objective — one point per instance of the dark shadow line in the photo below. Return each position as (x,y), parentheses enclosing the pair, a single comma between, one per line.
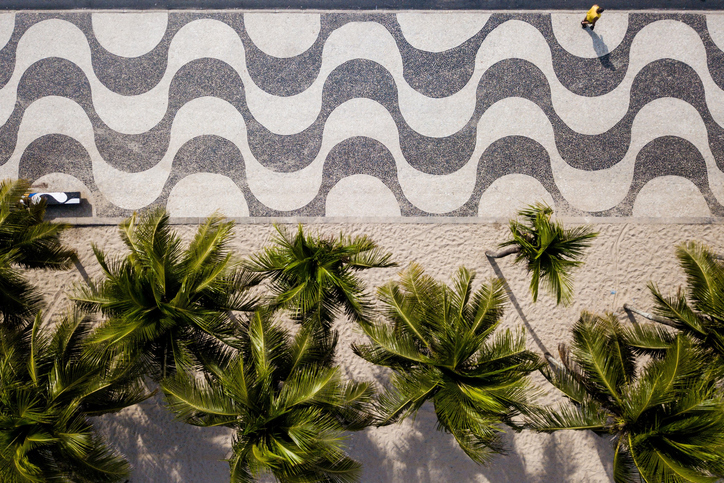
(601,49)
(514,301)
(81,270)
(630,316)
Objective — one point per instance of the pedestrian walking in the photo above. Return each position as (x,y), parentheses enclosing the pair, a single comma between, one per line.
(592,17)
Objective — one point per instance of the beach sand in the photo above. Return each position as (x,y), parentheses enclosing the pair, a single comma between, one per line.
(618,266)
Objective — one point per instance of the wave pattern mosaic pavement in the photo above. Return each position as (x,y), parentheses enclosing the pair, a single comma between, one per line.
(367,114)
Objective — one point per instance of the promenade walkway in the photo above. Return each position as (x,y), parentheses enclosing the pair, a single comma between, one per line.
(363,113)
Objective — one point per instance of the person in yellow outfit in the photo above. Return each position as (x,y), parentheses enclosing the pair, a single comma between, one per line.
(592,16)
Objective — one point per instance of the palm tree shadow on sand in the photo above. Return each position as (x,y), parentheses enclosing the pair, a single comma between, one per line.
(415,451)
(163,450)
(514,301)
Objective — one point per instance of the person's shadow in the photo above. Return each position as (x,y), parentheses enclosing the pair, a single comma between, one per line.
(601,49)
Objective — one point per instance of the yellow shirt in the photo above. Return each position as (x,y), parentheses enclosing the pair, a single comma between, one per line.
(593,14)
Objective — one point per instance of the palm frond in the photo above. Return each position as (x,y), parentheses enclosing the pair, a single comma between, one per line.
(605,373)
(439,341)
(167,306)
(198,402)
(655,465)
(310,385)
(566,377)
(313,276)
(267,343)
(678,311)
(19,299)
(288,411)
(49,387)
(312,345)
(390,349)
(549,251)
(369,256)
(209,246)
(667,416)
(101,464)
(466,407)
(488,305)
(409,302)
(587,415)
(479,448)
(704,276)
(503,358)
(661,380)
(22,228)
(355,408)
(648,338)
(624,469)
(409,391)
(26,241)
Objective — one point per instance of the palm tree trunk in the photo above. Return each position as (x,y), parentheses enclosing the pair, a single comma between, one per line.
(503,253)
(646,315)
(553,362)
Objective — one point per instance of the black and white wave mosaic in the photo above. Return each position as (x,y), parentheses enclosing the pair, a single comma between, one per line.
(366,114)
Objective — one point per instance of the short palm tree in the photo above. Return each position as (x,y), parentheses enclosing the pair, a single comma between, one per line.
(285,401)
(665,417)
(48,389)
(314,276)
(698,310)
(26,241)
(441,345)
(549,251)
(167,306)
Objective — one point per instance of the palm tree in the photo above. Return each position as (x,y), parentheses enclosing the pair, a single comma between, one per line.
(314,276)
(666,418)
(285,401)
(48,389)
(441,345)
(549,250)
(697,311)
(167,306)
(26,241)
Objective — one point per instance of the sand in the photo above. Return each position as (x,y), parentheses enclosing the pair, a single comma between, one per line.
(621,262)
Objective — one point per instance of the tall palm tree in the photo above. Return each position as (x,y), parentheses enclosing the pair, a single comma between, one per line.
(666,418)
(314,276)
(697,310)
(285,401)
(441,345)
(549,251)
(48,389)
(167,306)
(26,241)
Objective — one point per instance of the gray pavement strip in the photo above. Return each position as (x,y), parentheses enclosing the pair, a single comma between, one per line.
(363,4)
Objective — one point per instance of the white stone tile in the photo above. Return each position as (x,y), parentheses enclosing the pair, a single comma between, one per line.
(605,37)
(670,197)
(361,195)
(440,31)
(129,34)
(282,34)
(203,194)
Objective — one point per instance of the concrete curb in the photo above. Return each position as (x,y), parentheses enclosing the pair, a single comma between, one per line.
(28,6)
(432,220)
